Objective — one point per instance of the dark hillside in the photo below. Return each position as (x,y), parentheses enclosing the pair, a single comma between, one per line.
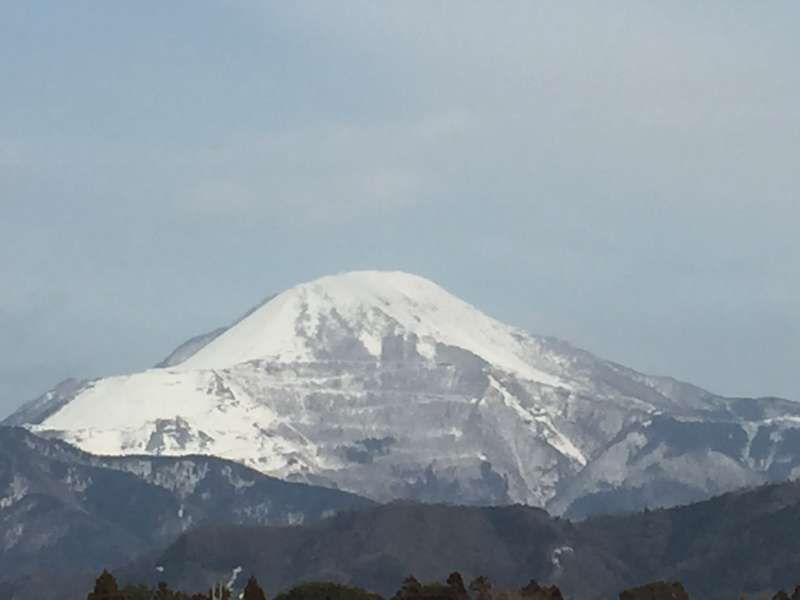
(741,542)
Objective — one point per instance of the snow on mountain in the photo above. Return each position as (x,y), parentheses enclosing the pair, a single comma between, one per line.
(384,384)
(370,306)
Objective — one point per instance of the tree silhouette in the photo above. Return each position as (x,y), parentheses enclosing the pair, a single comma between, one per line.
(457,589)
(326,590)
(105,588)
(534,591)
(253,591)
(781,595)
(410,590)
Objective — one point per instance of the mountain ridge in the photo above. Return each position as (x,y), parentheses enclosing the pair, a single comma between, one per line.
(719,548)
(387,385)
(62,510)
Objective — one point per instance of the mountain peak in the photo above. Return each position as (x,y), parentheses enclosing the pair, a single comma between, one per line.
(359,316)
(361,280)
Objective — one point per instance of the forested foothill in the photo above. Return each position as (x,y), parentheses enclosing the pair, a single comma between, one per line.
(454,588)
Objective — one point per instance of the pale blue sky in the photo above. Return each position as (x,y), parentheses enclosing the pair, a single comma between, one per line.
(622,175)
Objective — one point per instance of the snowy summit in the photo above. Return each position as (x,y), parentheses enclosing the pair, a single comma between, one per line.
(357,315)
(385,384)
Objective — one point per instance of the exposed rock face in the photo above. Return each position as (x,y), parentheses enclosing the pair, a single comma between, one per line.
(386,385)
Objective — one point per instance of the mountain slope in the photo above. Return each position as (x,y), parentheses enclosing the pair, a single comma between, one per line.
(384,384)
(718,548)
(62,510)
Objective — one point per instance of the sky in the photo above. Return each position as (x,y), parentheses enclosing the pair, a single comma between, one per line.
(621,175)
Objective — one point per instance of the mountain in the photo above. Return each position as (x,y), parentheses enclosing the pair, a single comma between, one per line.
(386,385)
(64,511)
(738,542)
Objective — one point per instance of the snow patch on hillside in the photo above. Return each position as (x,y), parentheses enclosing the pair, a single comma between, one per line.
(16,491)
(553,436)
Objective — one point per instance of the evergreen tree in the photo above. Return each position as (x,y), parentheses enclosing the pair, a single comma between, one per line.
(253,591)
(457,589)
(534,591)
(410,590)
(105,588)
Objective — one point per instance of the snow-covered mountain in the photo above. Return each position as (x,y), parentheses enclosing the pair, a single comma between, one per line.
(384,384)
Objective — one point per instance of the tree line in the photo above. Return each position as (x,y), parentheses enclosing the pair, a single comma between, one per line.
(454,588)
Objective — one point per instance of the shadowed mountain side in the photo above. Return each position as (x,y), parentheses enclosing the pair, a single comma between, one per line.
(719,548)
(738,542)
(65,511)
(377,548)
